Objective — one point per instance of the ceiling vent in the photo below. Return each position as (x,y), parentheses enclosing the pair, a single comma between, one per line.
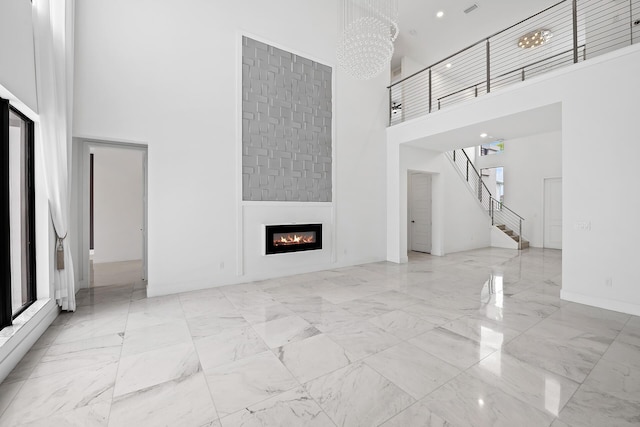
(471,8)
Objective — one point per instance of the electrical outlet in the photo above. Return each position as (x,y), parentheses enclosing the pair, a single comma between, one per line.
(608,282)
(222,266)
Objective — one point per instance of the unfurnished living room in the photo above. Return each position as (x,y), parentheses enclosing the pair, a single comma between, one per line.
(319,213)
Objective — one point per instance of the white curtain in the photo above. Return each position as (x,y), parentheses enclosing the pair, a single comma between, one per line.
(53,36)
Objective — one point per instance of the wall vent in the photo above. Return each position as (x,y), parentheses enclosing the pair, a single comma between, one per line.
(471,8)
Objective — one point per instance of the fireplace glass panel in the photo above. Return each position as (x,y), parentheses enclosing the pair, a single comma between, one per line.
(293,238)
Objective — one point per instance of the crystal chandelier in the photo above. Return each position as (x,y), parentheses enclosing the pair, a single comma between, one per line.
(369,29)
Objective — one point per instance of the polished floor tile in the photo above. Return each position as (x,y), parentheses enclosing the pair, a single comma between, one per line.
(43,397)
(95,415)
(93,352)
(413,370)
(345,395)
(183,401)
(155,337)
(572,359)
(291,408)
(215,323)
(285,330)
(228,346)
(478,338)
(541,389)
(594,408)
(417,415)
(362,339)
(401,324)
(466,401)
(150,368)
(453,348)
(312,357)
(248,381)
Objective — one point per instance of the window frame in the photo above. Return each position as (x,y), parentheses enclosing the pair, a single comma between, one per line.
(6,310)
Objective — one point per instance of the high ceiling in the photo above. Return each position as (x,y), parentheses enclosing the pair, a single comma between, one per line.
(427,39)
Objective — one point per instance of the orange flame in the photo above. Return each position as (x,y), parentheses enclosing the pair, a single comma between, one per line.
(294,239)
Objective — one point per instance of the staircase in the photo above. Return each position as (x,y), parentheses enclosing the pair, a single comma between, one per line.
(515,237)
(503,218)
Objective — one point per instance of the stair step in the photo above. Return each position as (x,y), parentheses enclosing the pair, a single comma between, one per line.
(524,245)
(505,229)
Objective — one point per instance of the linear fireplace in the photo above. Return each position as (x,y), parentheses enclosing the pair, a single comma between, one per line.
(292,238)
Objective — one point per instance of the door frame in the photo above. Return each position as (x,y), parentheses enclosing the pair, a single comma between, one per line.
(82,149)
(434,250)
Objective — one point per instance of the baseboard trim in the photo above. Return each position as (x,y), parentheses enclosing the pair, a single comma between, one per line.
(622,307)
(170,289)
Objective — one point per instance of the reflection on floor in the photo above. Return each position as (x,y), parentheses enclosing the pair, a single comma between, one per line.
(478,338)
(116,273)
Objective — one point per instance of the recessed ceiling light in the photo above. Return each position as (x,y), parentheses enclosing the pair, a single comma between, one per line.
(483,135)
(440,14)
(449,65)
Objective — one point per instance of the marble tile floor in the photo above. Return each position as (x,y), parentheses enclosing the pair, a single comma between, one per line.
(115,273)
(479,338)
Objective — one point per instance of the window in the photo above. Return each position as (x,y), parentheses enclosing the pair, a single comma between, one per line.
(17,220)
(493,147)
(493,178)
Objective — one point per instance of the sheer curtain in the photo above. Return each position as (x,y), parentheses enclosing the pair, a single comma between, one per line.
(53,37)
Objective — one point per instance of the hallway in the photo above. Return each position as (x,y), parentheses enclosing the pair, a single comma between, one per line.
(477,338)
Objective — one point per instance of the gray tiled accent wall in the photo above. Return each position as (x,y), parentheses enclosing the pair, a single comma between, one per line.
(286,125)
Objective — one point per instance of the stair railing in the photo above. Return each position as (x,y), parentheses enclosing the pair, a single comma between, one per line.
(502,215)
(497,211)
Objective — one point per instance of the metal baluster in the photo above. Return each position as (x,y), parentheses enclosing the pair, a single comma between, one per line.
(488,67)
(430,93)
(520,234)
(575,31)
(390,106)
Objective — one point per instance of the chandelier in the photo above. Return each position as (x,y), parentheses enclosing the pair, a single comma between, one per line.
(369,29)
(534,39)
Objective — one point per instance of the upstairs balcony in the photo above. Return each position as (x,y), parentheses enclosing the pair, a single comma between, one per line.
(568,32)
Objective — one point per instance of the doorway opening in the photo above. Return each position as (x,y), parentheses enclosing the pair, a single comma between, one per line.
(420,212)
(493,178)
(112,185)
(116,215)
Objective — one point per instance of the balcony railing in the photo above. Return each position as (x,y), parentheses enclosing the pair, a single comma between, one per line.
(580,30)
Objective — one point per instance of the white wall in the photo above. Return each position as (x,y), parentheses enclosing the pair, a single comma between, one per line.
(17,69)
(527,162)
(117,217)
(599,155)
(169,78)
(451,231)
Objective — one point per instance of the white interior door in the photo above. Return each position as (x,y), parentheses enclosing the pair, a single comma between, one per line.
(420,212)
(145,250)
(553,213)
